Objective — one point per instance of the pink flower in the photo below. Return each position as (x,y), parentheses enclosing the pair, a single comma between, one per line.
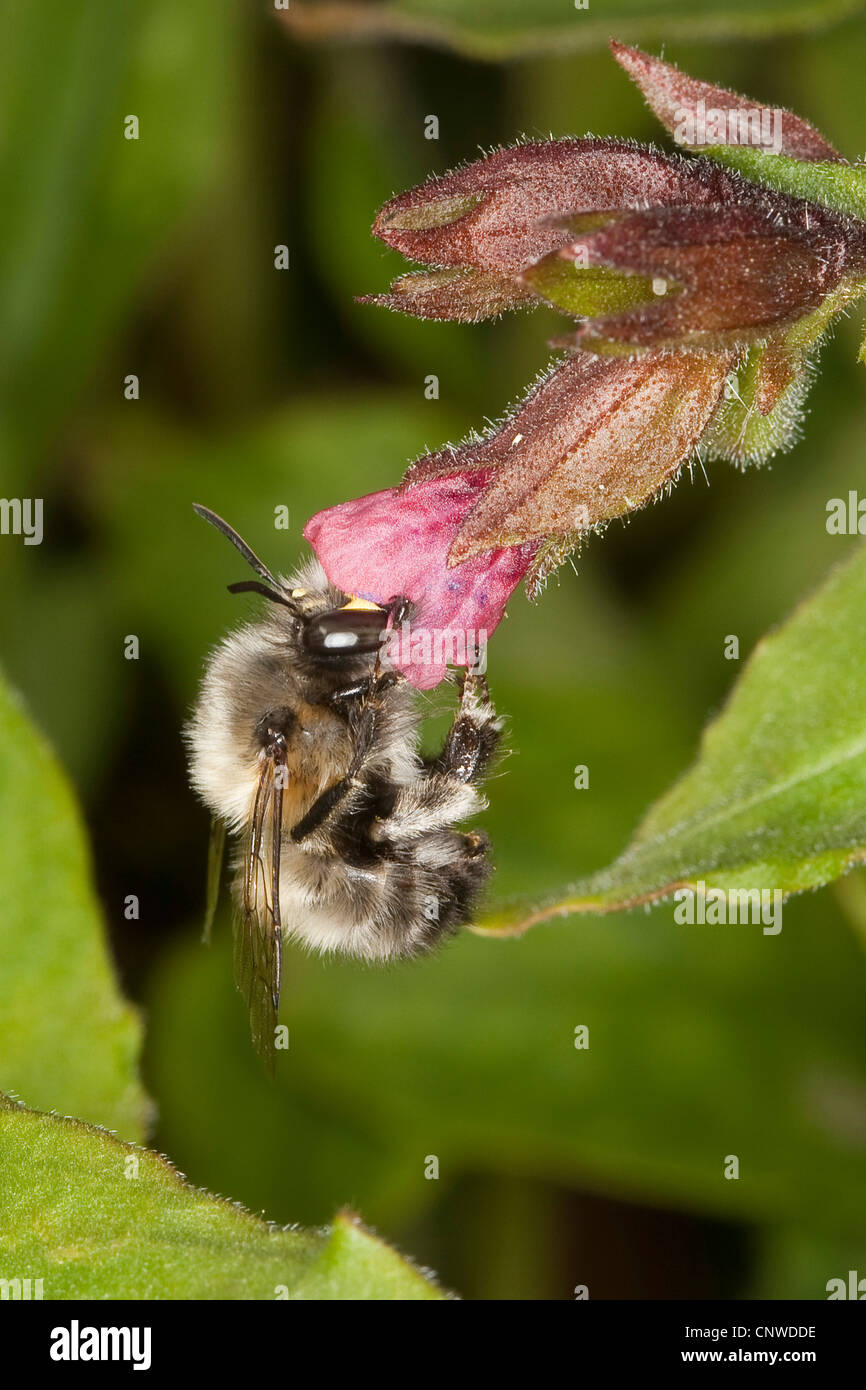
(698,293)
(595,439)
(394,543)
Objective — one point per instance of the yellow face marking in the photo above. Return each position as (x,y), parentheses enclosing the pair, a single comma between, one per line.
(299,593)
(362,604)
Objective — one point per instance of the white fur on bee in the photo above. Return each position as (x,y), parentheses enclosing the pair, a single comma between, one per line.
(379,913)
(379,910)
(225,776)
(427,805)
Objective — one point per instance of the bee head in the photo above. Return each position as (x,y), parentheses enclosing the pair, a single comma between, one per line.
(355,628)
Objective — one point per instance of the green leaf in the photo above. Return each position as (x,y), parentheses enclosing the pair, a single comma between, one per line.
(840,186)
(505,28)
(95,1218)
(68,1040)
(777,797)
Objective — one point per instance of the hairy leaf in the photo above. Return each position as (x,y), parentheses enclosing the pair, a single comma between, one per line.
(68,1040)
(133,1228)
(777,797)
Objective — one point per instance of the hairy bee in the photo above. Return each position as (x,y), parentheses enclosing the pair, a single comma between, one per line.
(305,745)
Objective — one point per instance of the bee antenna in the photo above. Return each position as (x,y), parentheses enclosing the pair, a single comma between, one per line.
(229,532)
(252,586)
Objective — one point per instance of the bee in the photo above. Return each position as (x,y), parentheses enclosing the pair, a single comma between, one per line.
(304,746)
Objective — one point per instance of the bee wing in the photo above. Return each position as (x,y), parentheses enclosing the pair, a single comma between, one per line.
(257,976)
(216,850)
(258,930)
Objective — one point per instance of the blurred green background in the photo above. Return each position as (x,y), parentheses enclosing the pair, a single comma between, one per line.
(261,388)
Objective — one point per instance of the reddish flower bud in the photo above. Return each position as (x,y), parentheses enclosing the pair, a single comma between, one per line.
(465,295)
(738,258)
(699,113)
(688,277)
(596,439)
(505,211)
(728,275)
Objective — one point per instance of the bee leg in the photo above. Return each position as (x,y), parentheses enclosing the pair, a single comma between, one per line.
(364,726)
(446,791)
(474,736)
(401,609)
(321,809)
(363,689)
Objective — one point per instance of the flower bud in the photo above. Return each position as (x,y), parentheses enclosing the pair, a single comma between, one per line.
(762,407)
(595,439)
(723,276)
(699,294)
(504,212)
(465,295)
(699,113)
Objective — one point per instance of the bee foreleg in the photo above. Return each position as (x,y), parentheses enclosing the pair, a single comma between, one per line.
(474,736)
(364,726)
(363,689)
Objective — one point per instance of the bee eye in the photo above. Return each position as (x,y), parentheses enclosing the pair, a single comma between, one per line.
(345,632)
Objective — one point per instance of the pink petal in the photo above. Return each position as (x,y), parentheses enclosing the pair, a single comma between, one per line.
(394,543)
